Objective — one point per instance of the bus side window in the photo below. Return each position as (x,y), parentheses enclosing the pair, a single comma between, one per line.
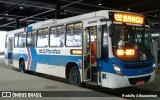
(42,38)
(69,35)
(60,36)
(20,40)
(6,41)
(52,41)
(28,39)
(16,40)
(45,37)
(24,39)
(39,38)
(74,35)
(104,47)
(57,36)
(33,38)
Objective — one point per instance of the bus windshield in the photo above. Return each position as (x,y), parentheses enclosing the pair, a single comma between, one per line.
(131,43)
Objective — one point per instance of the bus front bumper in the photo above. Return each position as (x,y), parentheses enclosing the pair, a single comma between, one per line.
(117,81)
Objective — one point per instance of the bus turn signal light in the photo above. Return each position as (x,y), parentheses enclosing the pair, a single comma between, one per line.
(128,52)
(76,51)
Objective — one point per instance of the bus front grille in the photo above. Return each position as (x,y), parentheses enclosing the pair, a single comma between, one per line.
(136,66)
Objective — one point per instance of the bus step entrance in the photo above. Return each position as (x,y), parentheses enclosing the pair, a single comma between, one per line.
(94,70)
(94,77)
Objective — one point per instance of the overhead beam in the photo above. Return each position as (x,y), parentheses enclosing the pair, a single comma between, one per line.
(95,6)
(70,9)
(14,16)
(141,3)
(27,18)
(35,15)
(15,6)
(40,7)
(150,11)
(27,5)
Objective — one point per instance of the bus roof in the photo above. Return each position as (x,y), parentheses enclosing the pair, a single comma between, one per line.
(52,22)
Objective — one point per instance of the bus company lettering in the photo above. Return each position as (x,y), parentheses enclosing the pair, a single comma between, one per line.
(49,51)
(48,24)
(95,21)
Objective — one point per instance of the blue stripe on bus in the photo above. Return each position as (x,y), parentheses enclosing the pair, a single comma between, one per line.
(8,55)
(33,65)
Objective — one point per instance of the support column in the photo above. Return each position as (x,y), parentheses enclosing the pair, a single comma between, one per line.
(62,13)
(57,10)
(17,23)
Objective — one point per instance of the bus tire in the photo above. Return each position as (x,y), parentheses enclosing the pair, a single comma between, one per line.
(22,66)
(74,76)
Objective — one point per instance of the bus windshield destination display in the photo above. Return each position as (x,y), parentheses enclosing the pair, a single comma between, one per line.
(130,18)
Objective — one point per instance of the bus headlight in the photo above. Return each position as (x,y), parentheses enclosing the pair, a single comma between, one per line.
(154,65)
(117,69)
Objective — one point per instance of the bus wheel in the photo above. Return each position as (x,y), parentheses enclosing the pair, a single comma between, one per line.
(74,76)
(22,66)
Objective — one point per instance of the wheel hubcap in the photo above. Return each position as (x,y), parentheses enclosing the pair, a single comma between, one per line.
(75,78)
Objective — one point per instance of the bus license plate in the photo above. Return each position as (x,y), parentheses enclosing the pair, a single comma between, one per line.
(140,83)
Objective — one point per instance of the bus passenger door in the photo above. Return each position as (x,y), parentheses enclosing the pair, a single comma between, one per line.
(90,68)
(10,51)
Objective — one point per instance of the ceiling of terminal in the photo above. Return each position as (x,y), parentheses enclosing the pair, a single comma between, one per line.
(30,11)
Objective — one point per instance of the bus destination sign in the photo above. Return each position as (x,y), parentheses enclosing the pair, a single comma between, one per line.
(128,18)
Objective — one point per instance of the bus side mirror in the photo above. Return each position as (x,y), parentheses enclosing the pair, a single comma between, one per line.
(110,31)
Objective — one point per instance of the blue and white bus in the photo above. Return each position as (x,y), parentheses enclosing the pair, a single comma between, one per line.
(85,49)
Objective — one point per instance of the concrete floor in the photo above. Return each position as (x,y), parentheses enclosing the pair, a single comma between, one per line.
(13,80)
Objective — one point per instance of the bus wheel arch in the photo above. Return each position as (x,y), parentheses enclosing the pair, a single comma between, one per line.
(22,65)
(72,70)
